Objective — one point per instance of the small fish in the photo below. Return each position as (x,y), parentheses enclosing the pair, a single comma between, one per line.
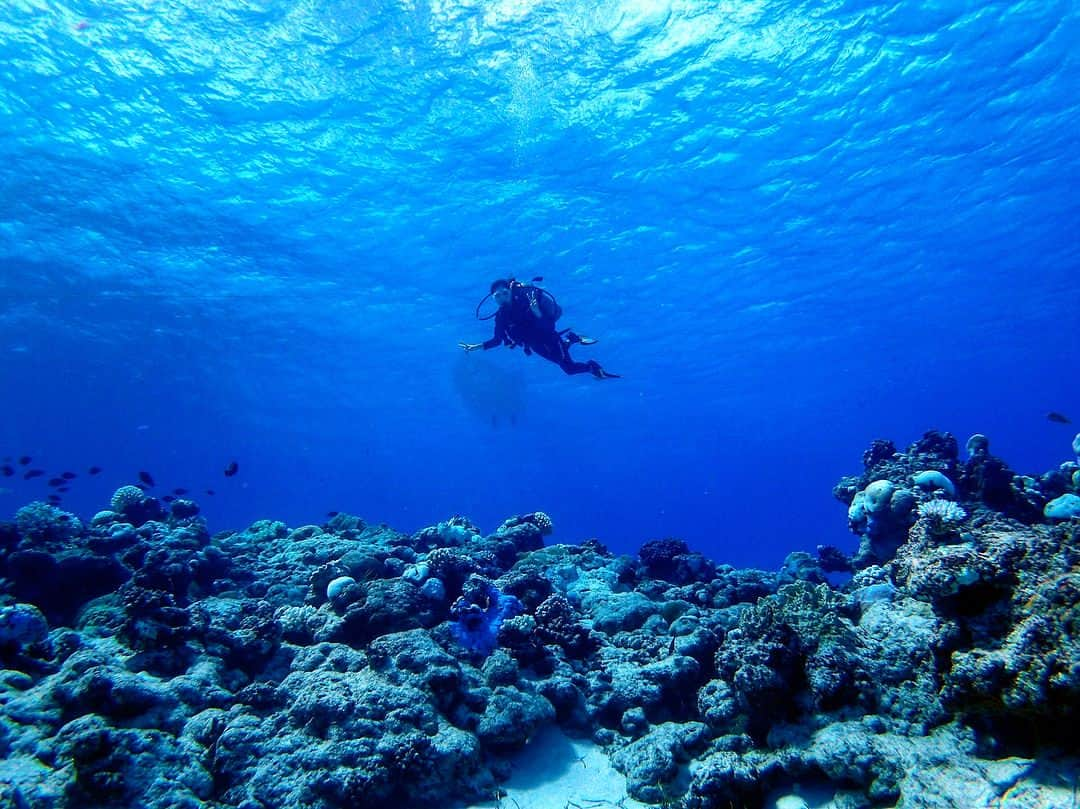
(7,471)
(146,478)
(25,459)
(68,475)
(1059,418)
(94,470)
(332,513)
(55,498)
(56,481)
(232,469)
(33,473)
(210,491)
(179,491)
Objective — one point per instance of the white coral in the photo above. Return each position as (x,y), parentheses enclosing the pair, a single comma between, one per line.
(943,512)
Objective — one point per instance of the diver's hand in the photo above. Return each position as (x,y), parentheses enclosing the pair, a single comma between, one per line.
(470,346)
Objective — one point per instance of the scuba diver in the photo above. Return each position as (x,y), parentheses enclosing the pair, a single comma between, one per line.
(526,316)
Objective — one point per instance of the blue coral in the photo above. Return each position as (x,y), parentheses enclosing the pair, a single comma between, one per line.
(478,614)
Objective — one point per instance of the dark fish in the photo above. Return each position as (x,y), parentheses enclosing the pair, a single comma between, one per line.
(179,491)
(232,469)
(332,513)
(25,459)
(68,475)
(7,471)
(33,473)
(93,470)
(146,478)
(1058,417)
(168,498)
(209,491)
(55,498)
(56,481)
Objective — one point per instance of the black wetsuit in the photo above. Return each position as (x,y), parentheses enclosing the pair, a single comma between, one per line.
(517,325)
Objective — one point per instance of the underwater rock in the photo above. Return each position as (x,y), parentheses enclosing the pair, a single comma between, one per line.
(558,623)
(671,560)
(1065,507)
(527,532)
(659,688)
(833,560)
(149,663)
(183,509)
(977,445)
(244,634)
(1034,675)
(111,766)
(527,586)
(881,513)
(801,566)
(386,606)
(59,584)
(337,586)
(652,762)
(930,479)
(725,778)
(880,449)
(510,717)
(46,526)
(22,625)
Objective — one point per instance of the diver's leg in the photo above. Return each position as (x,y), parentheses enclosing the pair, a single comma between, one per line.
(571,337)
(557,350)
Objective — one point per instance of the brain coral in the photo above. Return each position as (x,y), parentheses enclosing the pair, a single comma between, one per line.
(126,496)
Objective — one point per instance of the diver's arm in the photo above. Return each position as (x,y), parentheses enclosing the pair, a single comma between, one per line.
(499,337)
(494,341)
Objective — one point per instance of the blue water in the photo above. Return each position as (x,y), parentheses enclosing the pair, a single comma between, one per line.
(256,231)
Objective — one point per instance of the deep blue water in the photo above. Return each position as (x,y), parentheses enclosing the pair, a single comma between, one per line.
(257,231)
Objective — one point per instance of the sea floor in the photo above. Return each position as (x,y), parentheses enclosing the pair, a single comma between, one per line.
(554,771)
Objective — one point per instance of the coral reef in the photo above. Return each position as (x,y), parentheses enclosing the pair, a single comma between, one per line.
(147,663)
